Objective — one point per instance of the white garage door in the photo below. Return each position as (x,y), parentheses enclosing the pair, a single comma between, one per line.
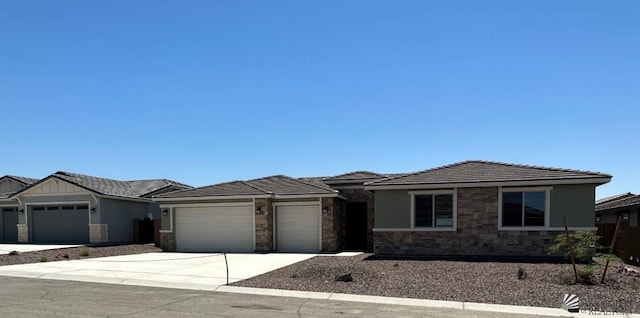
(215,229)
(298,228)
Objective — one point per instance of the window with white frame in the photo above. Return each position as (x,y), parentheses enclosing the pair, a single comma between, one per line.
(433,210)
(524,208)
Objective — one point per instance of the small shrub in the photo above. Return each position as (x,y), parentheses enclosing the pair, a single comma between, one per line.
(585,245)
(521,273)
(567,279)
(43,259)
(84,252)
(396,264)
(586,275)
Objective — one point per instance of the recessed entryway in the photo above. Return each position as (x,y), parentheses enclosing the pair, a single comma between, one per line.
(356,226)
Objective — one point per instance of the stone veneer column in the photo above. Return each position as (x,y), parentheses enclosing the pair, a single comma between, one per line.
(332,224)
(98,233)
(168,241)
(264,225)
(23,233)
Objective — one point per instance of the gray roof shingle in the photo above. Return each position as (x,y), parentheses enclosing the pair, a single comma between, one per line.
(232,188)
(486,171)
(118,188)
(354,176)
(23,180)
(626,201)
(273,185)
(615,198)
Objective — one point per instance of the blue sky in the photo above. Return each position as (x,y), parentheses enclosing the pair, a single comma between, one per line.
(211,91)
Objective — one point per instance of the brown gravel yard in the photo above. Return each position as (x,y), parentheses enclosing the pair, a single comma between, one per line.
(485,282)
(76,253)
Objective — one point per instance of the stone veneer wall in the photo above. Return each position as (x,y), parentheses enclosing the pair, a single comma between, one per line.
(98,233)
(168,241)
(332,224)
(264,225)
(477,233)
(23,233)
(362,195)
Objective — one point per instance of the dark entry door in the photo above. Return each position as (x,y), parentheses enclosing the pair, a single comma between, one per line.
(356,226)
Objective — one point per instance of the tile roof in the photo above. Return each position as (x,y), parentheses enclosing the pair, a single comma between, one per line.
(23,180)
(615,197)
(222,189)
(118,188)
(624,202)
(273,185)
(486,171)
(354,176)
(283,185)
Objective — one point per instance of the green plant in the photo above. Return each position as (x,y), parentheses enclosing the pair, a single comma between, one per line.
(522,274)
(585,245)
(586,275)
(43,259)
(84,252)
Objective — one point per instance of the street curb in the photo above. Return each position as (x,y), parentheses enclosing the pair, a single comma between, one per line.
(524,310)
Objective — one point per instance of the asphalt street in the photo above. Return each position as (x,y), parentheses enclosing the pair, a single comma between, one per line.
(25,297)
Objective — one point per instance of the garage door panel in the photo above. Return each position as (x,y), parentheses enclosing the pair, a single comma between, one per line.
(215,229)
(298,228)
(51,225)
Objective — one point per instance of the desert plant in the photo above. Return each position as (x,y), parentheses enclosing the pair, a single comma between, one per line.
(43,259)
(585,245)
(521,273)
(586,275)
(84,252)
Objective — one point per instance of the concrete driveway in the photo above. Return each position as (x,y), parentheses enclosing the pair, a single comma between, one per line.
(7,248)
(174,270)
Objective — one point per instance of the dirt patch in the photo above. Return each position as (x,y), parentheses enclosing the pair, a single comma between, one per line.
(524,284)
(76,253)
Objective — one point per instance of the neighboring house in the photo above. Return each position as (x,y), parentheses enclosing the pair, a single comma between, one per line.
(625,206)
(481,208)
(9,185)
(73,208)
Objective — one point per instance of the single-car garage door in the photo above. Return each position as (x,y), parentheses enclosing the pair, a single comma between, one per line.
(9,225)
(298,228)
(67,224)
(215,229)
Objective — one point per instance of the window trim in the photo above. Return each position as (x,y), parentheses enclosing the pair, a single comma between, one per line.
(547,208)
(453,193)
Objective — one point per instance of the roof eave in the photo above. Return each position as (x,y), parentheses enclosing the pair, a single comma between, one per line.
(518,183)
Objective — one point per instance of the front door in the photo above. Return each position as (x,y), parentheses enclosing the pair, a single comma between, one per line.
(356,226)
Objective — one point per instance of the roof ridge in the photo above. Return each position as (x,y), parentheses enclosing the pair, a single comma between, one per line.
(418,172)
(353,172)
(296,180)
(247,183)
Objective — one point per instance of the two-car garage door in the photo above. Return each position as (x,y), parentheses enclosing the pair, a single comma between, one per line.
(215,229)
(231,228)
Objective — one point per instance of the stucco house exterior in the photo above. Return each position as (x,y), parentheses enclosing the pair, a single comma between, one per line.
(74,208)
(481,208)
(467,208)
(9,185)
(625,206)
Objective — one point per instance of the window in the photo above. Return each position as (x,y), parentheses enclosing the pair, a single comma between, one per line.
(524,208)
(433,210)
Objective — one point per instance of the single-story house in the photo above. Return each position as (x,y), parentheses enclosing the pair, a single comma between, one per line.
(9,185)
(625,206)
(467,208)
(481,208)
(74,208)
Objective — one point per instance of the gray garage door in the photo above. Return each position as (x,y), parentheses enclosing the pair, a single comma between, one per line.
(298,228)
(9,225)
(215,229)
(60,224)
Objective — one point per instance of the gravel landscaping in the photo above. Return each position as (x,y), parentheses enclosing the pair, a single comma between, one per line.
(81,252)
(525,284)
